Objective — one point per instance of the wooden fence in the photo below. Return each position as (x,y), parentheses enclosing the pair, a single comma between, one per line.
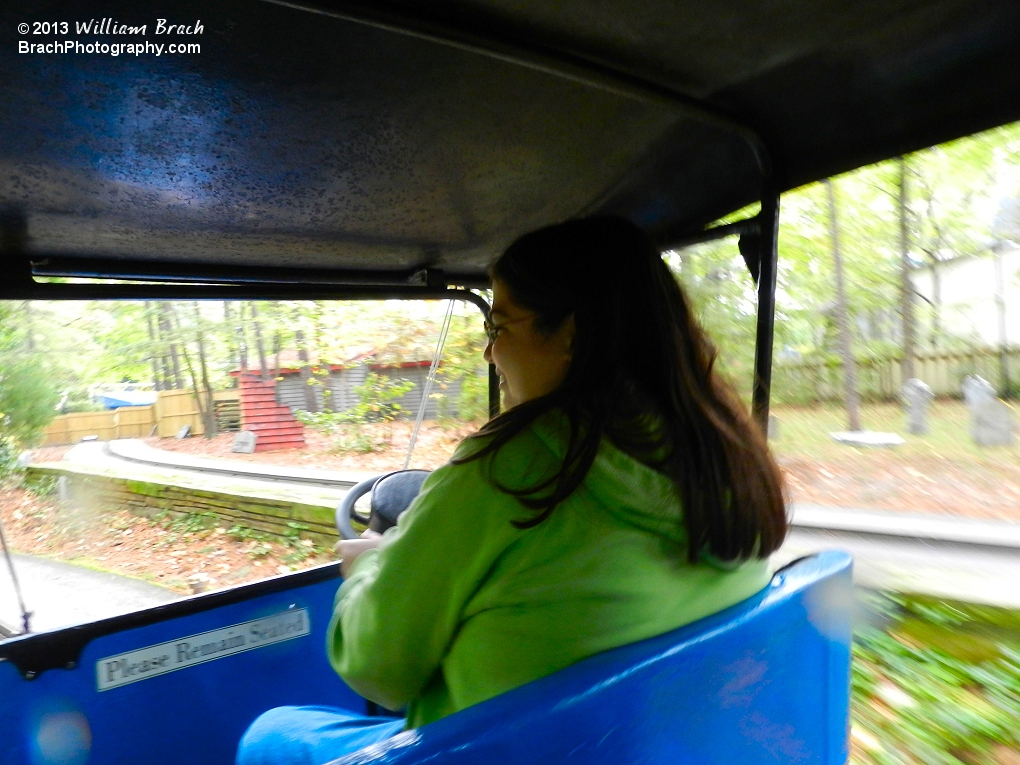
(126,422)
(173,410)
(880,379)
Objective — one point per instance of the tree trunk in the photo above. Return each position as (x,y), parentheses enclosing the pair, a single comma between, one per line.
(153,344)
(164,333)
(259,344)
(1005,384)
(852,400)
(936,304)
(906,287)
(305,371)
(191,369)
(209,413)
(233,344)
(29,326)
(172,339)
(242,343)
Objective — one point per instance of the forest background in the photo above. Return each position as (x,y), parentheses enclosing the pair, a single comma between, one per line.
(957,200)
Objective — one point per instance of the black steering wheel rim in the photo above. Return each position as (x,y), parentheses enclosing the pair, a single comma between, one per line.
(393,498)
(345,511)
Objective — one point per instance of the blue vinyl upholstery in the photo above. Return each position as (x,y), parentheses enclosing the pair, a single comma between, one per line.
(194,715)
(766,681)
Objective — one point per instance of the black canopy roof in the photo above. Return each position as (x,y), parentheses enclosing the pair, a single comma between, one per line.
(387,138)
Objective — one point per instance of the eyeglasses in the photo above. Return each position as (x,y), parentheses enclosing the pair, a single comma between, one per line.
(492,330)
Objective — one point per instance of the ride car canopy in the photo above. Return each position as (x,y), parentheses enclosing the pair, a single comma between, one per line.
(387,138)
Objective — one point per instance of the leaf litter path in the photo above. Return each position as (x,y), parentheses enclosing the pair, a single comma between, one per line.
(172,554)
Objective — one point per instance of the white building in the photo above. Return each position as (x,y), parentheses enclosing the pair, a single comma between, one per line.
(979,296)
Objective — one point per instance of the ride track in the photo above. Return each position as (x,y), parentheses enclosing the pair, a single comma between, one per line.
(957,558)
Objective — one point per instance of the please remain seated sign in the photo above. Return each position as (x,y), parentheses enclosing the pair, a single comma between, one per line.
(154,660)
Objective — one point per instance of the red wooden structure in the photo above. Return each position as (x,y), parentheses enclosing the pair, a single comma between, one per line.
(275,425)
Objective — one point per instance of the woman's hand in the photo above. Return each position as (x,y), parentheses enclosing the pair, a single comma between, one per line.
(349,549)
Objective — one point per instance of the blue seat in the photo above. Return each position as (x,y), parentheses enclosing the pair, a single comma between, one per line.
(766,681)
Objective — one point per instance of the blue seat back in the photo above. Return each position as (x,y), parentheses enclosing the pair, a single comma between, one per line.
(79,709)
(767,681)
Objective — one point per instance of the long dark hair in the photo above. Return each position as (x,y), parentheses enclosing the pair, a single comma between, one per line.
(641,374)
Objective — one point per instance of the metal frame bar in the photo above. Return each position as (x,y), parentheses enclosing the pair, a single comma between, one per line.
(220,273)
(247,291)
(765,334)
(746,226)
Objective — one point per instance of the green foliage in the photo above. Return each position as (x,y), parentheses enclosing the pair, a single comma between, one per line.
(260,549)
(952,191)
(924,702)
(243,533)
(349,428)
(723,298)
(28,397)
(183,525)
(473,403)
(28,393)
(39,484)
(8,458)
(297,550)
(377,399)
(79,401)
(462,363)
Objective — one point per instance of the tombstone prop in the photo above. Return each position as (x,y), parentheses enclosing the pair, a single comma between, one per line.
(183,432)
(917,397)
(976,388)
(992,422)
(244,442)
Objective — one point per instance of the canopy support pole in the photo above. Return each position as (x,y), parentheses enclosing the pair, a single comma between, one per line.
(768,241)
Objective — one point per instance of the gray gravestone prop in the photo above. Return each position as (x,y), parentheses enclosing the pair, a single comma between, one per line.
(917,396)
(992,423)
(975,388)
(184,432)
(244,442)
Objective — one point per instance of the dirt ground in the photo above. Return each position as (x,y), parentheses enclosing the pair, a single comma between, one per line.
(188,555)
(182,555)
(876,479)
(882,481)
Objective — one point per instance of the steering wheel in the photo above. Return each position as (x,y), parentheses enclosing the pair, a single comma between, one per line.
(392,494)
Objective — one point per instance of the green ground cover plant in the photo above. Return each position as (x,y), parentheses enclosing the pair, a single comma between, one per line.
(936,683)
(366,426)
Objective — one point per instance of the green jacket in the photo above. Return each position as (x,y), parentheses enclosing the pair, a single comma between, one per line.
(457,605)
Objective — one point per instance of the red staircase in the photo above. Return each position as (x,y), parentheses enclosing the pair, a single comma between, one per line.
(275,425)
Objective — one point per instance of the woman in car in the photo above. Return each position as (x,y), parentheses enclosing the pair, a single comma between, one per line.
(623,492)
